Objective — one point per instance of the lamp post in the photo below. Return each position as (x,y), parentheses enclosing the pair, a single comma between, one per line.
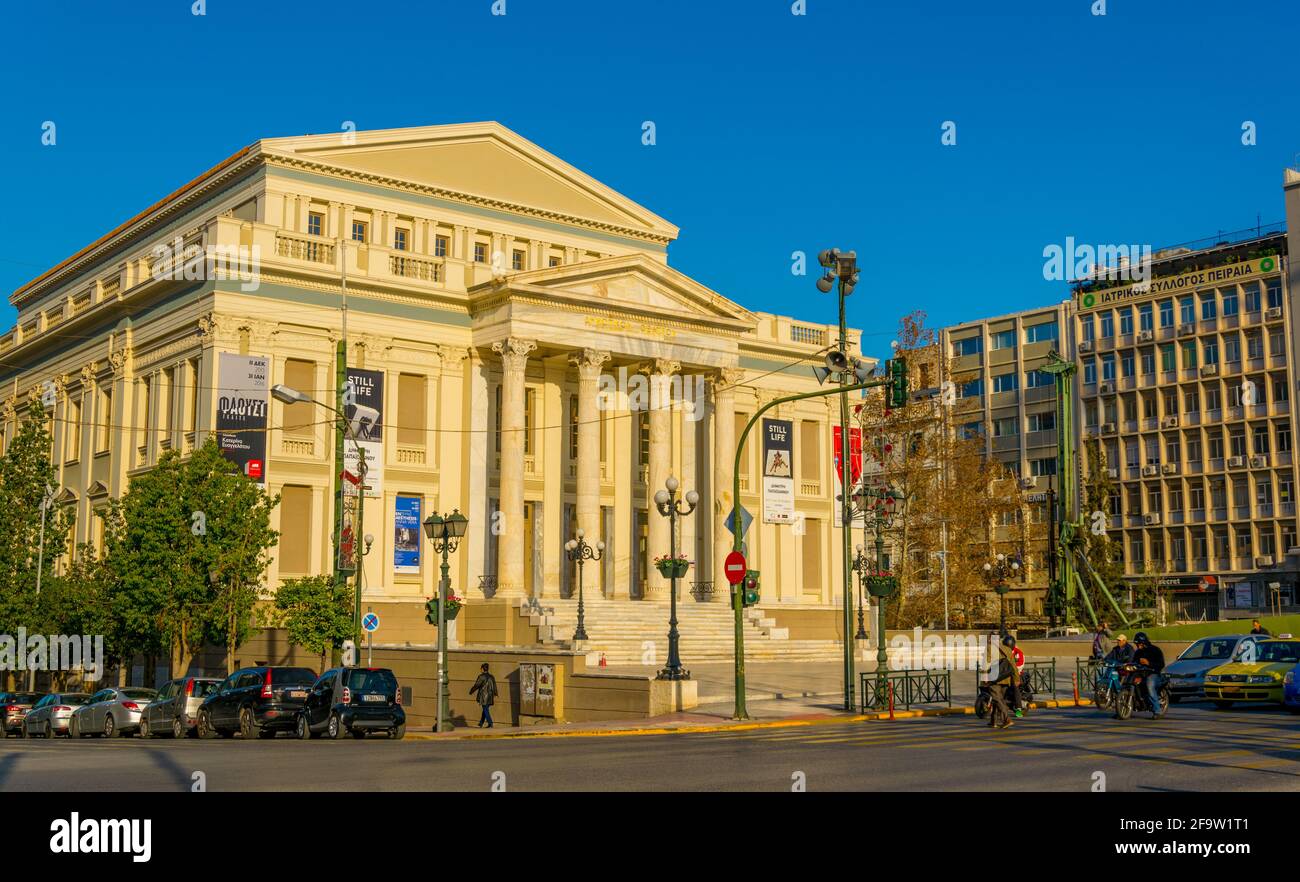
(445,533)
(581,551)
(882,504)
(861,565)
(289,395)
(996,573)
(670,506)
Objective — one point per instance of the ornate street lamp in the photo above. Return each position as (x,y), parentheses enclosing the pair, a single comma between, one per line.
(580,550)
(996,574)
(861,566)
(881,505)
(445,533)
(669,506)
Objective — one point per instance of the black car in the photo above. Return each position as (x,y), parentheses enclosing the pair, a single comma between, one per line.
(355,700)
(256,702)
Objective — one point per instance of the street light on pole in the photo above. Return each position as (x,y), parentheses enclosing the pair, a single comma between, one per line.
(881,503)
(445,533)
(997,573)
(861,566)
(581,551)
(670,506)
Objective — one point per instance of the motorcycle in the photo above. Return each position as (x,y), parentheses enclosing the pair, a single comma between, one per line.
(1133,694)
(1107,686)
(984,699)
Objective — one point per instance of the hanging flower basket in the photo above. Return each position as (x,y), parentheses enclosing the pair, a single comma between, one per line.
(672,567)
(881,584)
(450,609)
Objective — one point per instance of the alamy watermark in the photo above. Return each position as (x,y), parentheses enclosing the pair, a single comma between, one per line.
(56,652)
(176,261)
(636,392)
(1082,262)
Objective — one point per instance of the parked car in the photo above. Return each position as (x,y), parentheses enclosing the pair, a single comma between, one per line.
(50,716)
(1186,674)
(256,702)
(176,710)
(354,700)
(1257,681)
(111,712)
(14,707)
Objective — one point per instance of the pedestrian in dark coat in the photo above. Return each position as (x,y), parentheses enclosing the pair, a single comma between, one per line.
(485,692)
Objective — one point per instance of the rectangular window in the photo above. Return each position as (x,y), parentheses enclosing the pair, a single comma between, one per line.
(967,346)
(1148,362)
(104,420)
(497,418)
(399,239)
(1004,383)
(1040,333)
(1144,318)
(315,223)
(573,428)
(1041,422)
(554,261)
(73,428)
(1005,426)
(812,557)
(1089,327)
(530,410)
(143,405)
(1089,372)
(1108,368)
(1107,325)
(1002,340)
(411,410)
(973,389)
(1036,378)
(1274,293)
(358,231)
(295,530)
(439,246)
(1209,308)
(1211,352)
(1040,467)
(1187,310)
(300,375)
(480,252)
(1126,363)
(1229,301)
(517,259)
(1251,290)
(1125,322)
(810,451)
(1166,313)
(1189,355)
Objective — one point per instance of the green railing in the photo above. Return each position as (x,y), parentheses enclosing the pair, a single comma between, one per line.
(1042,676)
(1086,672)
(908,687)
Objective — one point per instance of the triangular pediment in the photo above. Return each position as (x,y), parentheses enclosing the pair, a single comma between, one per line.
(479,161)
(632,282)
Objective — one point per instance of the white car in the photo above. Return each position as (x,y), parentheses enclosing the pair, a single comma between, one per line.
(50,716)
(111,712)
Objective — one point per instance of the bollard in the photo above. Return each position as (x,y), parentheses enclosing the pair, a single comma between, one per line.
(1074,683)
(891,699)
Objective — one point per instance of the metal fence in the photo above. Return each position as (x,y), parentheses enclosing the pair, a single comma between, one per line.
(908,687)
(1086,671)
(1041,674)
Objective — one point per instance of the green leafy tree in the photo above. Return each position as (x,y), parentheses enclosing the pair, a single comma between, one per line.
(316,612)
(77,602)
(26,477)
(188,545)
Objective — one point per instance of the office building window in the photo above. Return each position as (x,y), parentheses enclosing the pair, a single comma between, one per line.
(1040,333)
(1145,318)
(1042,422)
(1166,313)
(1088,326)
(1090,372)
(1229,301)
(1251,293)
(1209,308)
(1187,310)
(1274,292)
(1005,383)
(967,346)
(1107,325)
(1002,340)
(1108,368)
(315,223)
(1036,378)
(1004,426)
(973,389)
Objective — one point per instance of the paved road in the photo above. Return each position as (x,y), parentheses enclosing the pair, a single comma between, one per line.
(1193,748)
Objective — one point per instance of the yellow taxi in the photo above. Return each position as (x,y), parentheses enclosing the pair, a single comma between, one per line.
(1256,676)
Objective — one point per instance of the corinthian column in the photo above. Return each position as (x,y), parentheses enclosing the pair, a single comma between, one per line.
(589,363)
(510,544)
(724,472)
(660,371)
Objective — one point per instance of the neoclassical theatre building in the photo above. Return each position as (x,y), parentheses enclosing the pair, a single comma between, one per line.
(503,314)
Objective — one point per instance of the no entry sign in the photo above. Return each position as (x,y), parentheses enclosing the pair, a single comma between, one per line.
(734,567)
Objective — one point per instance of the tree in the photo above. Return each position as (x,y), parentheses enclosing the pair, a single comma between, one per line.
(1104,553)
(27,475)
(317,612)
(188,546)
(76,602)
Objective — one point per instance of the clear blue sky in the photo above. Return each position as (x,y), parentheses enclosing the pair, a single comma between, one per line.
(775,132)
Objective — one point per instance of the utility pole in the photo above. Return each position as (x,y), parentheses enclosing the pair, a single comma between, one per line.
(340,381)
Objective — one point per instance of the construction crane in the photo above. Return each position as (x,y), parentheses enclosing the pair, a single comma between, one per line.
(1071,525)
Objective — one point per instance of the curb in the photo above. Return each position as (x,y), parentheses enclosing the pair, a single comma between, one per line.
(689,729)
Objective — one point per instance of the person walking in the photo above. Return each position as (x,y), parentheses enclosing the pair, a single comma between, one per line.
(1002,678)
(1018,656)
(485,692)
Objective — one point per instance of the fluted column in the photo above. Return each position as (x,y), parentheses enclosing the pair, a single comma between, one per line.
(724,471)
(660,371)
(589,363)
(510,544)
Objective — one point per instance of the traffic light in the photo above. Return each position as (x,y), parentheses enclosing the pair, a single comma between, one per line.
(897,368)
(431,611)
(749,591)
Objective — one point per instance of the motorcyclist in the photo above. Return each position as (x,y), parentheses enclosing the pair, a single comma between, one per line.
(1121,653)
(1147,655)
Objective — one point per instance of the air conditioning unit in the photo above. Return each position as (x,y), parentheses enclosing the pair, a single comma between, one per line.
(1028,483)
(1169,422)
(1151,520)
(1274,312)
(1150,471)
(1106,388)
(1170,468)
(1146,336)
(1108,428)
(1259,462)
(1209,370)
(1265,560)
(1186,330)
(1112,473)
(1085,346)
(1236,462)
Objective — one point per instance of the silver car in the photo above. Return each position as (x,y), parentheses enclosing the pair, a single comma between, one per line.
(50,716)
(111,712)
(175,711)
(1186,674)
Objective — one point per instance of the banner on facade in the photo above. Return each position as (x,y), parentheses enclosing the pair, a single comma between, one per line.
(242,411)
(365,416)
(406,534)
(855,472)
(778,471)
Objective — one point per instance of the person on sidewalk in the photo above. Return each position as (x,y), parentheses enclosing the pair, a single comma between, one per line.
(1002,680)
(1018,656)
(1101,641)
(485,691)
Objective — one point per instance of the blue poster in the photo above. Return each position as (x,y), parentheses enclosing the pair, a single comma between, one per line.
(406,535)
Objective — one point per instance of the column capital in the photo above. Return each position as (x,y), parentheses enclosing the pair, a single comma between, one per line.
(589,362)
(725,381)
(664,367)
(514,352)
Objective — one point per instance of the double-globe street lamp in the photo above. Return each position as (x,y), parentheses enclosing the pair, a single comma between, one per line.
(997,573)
(670,506)
(881,503)
(581,551)
(445,533)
